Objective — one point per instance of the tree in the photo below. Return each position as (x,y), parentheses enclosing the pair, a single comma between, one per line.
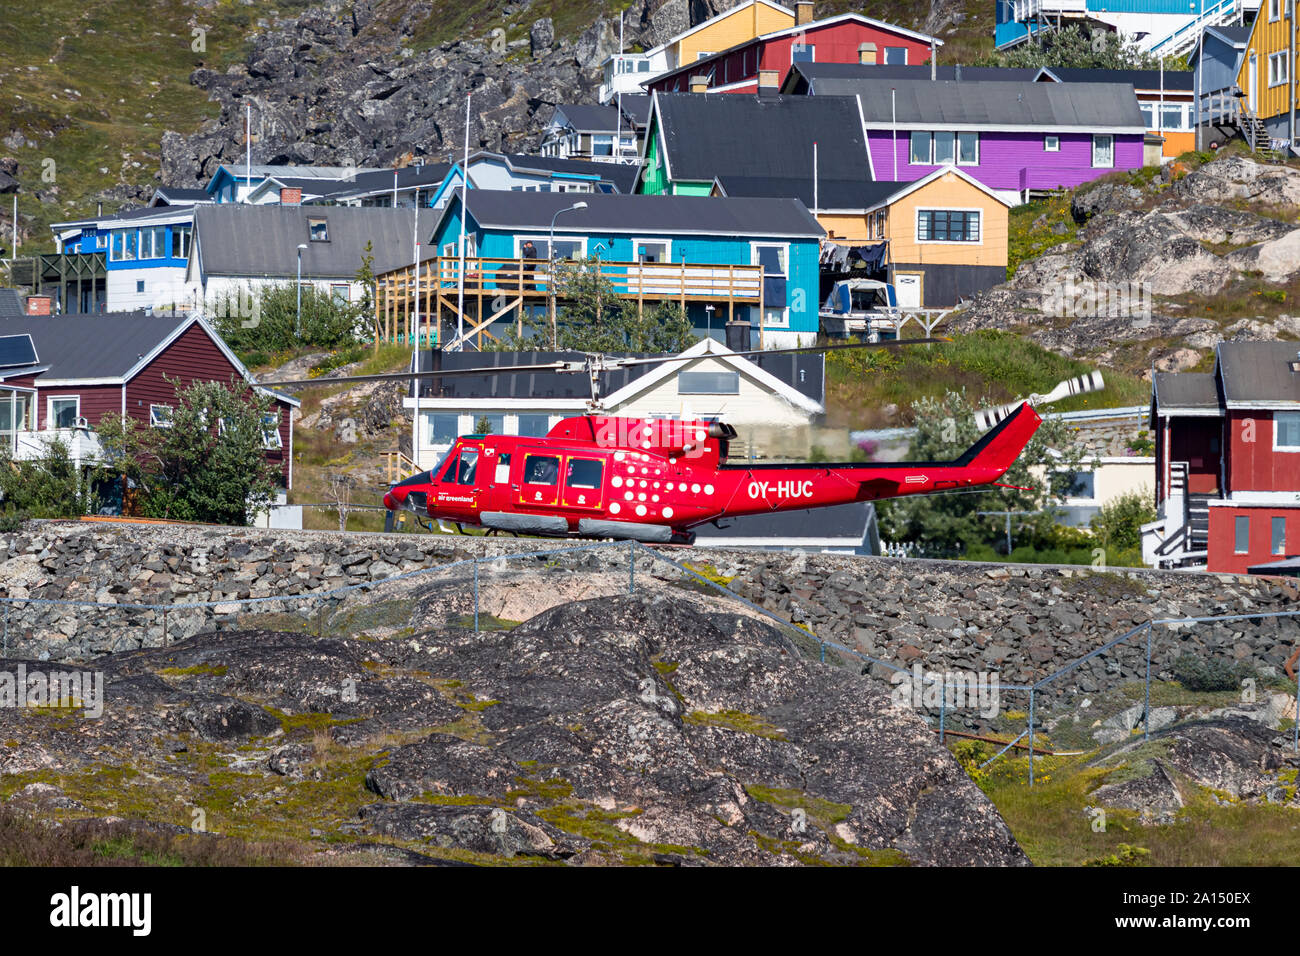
(274,325)
(341,487)
(50,486)
(209,465)
(944,429)
(1118,525)
(1075,46)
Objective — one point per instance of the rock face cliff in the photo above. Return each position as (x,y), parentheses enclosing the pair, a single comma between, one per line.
(637,729)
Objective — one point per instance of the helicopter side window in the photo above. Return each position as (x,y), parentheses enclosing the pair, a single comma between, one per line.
(502,476)
(542,470)
(447,474)
(468,467)
(584,473)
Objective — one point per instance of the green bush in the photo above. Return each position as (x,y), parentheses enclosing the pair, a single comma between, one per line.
(1209,674)
(46,487)
(274,324)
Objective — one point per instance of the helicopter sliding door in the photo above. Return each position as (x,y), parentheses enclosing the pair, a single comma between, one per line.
(583,483)
(539,483)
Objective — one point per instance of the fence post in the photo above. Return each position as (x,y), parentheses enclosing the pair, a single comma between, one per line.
(943,707)
(8,606)
(476,595)
(631,567)
(1031,736)
(164,615)
(1295,731)
(1146,716)
(320,617)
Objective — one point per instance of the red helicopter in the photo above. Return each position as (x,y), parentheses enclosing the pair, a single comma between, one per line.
(653,480)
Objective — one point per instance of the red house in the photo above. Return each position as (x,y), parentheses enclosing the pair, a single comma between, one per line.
(63,373)
(847,38)
(1228,461)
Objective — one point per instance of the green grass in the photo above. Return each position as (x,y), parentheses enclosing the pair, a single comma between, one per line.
(992,366)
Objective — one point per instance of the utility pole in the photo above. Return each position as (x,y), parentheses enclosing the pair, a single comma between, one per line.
(1008,515)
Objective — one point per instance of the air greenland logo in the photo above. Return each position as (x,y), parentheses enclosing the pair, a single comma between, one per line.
(76,909)
(70,689)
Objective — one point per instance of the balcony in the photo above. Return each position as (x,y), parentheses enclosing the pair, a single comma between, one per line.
(82,443)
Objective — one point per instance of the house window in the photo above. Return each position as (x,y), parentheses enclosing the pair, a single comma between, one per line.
(442,428)
(139,285)
(945,148)
(65,411)
(653,250)
(564,248)
(1241,544)
(968,149)
(15,406)
(339,292)
(1274,10)
(271,439)
(318,230)
(153,242)
(948,225)
(1103,150)
(919,152)
(708,383)
(896,54)
(181,242)
(489,424)
(602,145)
(1277,536)
(534,426)
(803,53)
(125,246)
(160,416)
(1277,69)
(878,224)
(1052,144)
(1286,431)
(1174,116)
(1082,485)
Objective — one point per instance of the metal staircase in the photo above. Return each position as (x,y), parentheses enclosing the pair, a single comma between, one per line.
(1184,39)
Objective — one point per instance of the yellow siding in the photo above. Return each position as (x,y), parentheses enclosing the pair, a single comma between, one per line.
(949,191)
(743,23)
(1266,38)
(844,228)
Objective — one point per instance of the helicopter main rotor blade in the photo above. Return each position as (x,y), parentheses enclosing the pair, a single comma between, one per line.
(579,365)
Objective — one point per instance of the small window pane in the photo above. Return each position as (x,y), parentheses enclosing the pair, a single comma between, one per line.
(63,412)
(945,145)
(968,149)
(319,230)
(1288,429)
(541,470)
(919,154)
(708,383)
(443,428)
(534,426)
(1242,545)
(490,424)
(468,467)
(1278,536)
(584,473)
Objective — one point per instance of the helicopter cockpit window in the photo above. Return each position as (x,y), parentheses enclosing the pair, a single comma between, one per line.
(584,473)
(446,469)
(542,470)
(468,467)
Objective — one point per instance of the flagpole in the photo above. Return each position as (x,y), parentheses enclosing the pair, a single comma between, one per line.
(464,214)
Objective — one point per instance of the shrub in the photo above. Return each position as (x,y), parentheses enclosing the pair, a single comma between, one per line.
(1209,674)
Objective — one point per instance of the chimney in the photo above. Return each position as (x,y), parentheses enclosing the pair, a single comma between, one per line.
(867,54)
(767,82)
(699,84)
(38,305)
(290,196)
(803,12)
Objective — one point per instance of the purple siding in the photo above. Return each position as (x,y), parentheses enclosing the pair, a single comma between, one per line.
(1014,160)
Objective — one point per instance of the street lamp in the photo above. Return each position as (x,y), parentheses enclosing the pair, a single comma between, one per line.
(550,254)
(298,324)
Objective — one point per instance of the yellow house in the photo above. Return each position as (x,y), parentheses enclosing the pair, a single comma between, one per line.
(1264,75)
(727,29)
(946,238)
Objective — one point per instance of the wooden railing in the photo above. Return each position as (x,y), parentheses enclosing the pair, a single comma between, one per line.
(494,287)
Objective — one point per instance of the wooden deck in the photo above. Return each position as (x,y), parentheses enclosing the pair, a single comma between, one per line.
(493,288)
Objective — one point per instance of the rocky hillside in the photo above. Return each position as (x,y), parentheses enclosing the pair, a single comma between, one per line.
(655,729)
(1215,249)
(101,101)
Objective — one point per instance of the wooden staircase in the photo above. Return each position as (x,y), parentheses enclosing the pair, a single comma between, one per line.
(1253,131)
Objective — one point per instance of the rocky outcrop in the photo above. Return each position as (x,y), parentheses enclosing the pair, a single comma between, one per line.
(655,728)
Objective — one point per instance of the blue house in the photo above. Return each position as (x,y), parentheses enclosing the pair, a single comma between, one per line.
(725,259)
(145,252)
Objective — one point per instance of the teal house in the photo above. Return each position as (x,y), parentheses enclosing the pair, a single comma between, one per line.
(728,261)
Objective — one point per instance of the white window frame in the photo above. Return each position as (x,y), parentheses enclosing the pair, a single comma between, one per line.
(950,242)
(957,153)
(545,239)
(639,242)
(1277,446)
(929,152)
(155,421)
(783,321)
(1051,143)
(271,440)
(1278,72)
(1274,10)
(182,235)
(49,409)
(1096,137)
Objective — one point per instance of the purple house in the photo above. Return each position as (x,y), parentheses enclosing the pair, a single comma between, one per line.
(1016,138)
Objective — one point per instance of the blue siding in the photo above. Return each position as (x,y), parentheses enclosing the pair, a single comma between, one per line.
(169,259)
(1185,7)
(1219,71)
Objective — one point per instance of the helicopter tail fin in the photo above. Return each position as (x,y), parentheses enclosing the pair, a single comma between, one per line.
(1002,444)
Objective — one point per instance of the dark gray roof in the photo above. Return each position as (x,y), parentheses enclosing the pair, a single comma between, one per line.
(589,117)
(996,104)
(806,77)
(801,371)
(1236,35)
(636,107)
(736,134)
(11,303)
(1176,81)
(1259,373)
(430,174)
(175,195)
(93,346)
(829,194)
(666,215)
(1190,390)
(848,523)
(237,239)
(622,176)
